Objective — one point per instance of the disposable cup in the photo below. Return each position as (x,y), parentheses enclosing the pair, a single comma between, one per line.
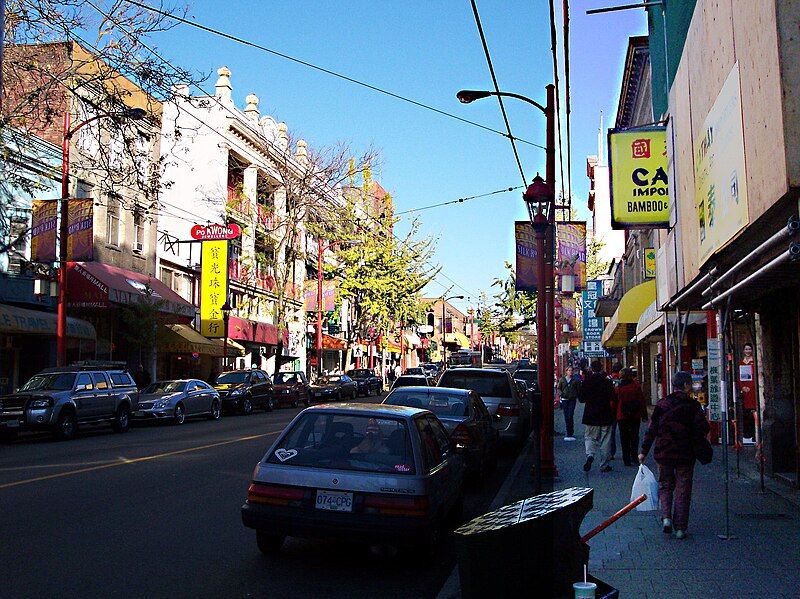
(584,590)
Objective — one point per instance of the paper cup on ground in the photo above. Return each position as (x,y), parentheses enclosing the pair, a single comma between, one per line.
(584,590)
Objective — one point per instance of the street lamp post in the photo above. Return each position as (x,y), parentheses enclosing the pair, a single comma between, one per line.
(226,316)
(444,347)
(68,133)
(540,200)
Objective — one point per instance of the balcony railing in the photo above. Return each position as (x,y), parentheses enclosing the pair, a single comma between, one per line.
(265,217)
(238,205)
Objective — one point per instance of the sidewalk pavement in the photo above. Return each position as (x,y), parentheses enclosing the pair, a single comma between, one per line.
(634,556)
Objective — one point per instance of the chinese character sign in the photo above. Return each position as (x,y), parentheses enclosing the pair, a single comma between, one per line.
(592,324)
(571,251)
(80,241)
(715,408)
(526,256)
(213,287)
(44,222)
(639,184)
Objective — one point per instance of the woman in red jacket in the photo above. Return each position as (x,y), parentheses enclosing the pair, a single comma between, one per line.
(631,412)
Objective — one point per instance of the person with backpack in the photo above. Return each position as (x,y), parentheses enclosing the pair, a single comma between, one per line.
(631,412)
(678,428)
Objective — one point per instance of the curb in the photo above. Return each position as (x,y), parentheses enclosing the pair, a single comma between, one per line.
(451,589)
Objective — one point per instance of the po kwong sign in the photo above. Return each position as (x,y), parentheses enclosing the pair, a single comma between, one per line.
(216,232)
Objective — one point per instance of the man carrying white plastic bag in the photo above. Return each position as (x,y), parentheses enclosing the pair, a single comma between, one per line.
(645,484)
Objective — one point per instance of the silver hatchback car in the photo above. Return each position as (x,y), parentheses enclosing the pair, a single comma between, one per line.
(364,472)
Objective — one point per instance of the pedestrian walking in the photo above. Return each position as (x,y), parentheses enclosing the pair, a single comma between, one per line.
(569,387)
(397,371)
(597,392)
(616,370)
(677,427)
(141,377)
(390,375)
(631,412)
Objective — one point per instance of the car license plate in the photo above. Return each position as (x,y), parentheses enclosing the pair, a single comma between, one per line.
(317,394)
(335,501)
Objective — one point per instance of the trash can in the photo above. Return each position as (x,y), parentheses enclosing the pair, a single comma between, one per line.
(531,548)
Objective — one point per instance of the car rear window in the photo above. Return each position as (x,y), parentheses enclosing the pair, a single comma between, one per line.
(441,404)
(485,384)
(411,381)
(120,379)
(347,442)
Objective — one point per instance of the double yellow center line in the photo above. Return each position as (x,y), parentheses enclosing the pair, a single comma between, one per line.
(128,462)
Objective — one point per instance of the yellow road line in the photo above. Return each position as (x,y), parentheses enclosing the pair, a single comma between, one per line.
(128,462)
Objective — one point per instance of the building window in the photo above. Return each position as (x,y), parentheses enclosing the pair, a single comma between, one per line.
(142,157)
(113,209)
(138,231)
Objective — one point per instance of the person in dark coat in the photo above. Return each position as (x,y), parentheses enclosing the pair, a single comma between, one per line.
(597,392)
(678,424)
(631,412)
(569,386)
(141,377)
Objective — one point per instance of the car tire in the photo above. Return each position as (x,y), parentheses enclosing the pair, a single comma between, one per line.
(247,406)
(307,401)
(66,426)
(216,410)
(122,419)
(268,543)
(270,405)
(294,403)
(179,417)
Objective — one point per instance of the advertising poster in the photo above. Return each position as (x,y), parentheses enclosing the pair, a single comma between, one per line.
(526,256)
(80,240)
(592,324)
(649,263)
(639,184)
(213,287)
(43,231)
(571,251)
(310,295)
(310,290)
(719,175)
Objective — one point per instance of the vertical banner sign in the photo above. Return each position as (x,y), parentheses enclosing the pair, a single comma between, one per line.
(526,256)
(310,295)
(714,386)
(213,287)
(639,185)
(569,311)
(80,241)
(650,263)
(328,296)
(571,251)
(43,231)
(719,175)
(592,324)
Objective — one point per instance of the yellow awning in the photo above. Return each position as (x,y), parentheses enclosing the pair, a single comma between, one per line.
(631,306)
(183,339)
(234,349)
(458,338)
(16,321)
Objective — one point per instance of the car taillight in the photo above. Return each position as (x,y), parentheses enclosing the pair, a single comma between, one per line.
(393,505)
(460,436)
(505,409)
(274,494)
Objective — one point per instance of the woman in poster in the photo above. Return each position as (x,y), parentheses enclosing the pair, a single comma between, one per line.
(746,377)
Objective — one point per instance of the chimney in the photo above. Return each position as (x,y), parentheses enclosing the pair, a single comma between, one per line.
(251,110)
(223,85)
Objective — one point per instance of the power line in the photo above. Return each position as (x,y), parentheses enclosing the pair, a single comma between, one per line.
(304,63)
(458,201)
(497,88)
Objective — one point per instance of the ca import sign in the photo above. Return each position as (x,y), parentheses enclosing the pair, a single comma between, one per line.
(639,184)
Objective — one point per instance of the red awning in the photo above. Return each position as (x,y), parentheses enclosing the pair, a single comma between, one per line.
(255,332)
(98,285)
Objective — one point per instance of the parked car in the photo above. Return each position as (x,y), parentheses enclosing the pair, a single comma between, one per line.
(245,390)
(416,370)
(530,375)
(334,387)
(500,394)
(360,472)
(413,380)
(291,388)
(368,382)
(431,370)
(63,399)
(178,400)
(464,416)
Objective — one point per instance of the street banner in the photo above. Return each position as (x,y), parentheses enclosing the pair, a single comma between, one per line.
(310,290)
(649,263)
(571,251)
(714,382)
(213,287)
(592,324)
(44,221)
(569,311)
(719,175)
(80,238)
(638,172)
(526,279)
(310,295)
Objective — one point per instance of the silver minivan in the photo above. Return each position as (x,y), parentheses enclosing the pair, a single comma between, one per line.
(500,394)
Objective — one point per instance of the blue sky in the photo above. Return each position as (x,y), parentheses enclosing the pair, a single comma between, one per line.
(426,51)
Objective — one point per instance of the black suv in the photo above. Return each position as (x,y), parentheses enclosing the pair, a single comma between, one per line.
(62,399)
(368,382)
(244,390)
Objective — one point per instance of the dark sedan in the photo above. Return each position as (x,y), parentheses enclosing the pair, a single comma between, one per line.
(175,401)
(413,380)
(368,382)
(334,387)
(464,416)
(244,390)
(291,388)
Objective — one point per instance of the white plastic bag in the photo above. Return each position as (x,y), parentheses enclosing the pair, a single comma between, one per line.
(645,484)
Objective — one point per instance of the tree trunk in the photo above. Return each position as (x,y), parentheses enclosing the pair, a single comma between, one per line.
(278,354)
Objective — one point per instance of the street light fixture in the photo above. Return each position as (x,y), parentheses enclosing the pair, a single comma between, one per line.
(226,316)
(444,347)
(68,132)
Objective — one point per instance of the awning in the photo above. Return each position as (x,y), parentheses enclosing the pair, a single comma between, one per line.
(622,325)
(183,339)
(15,320)
(457,338)
(234,349)
(606,306)
(651,321)
(98,285)
(255,332)
(412,340)
(334,343)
